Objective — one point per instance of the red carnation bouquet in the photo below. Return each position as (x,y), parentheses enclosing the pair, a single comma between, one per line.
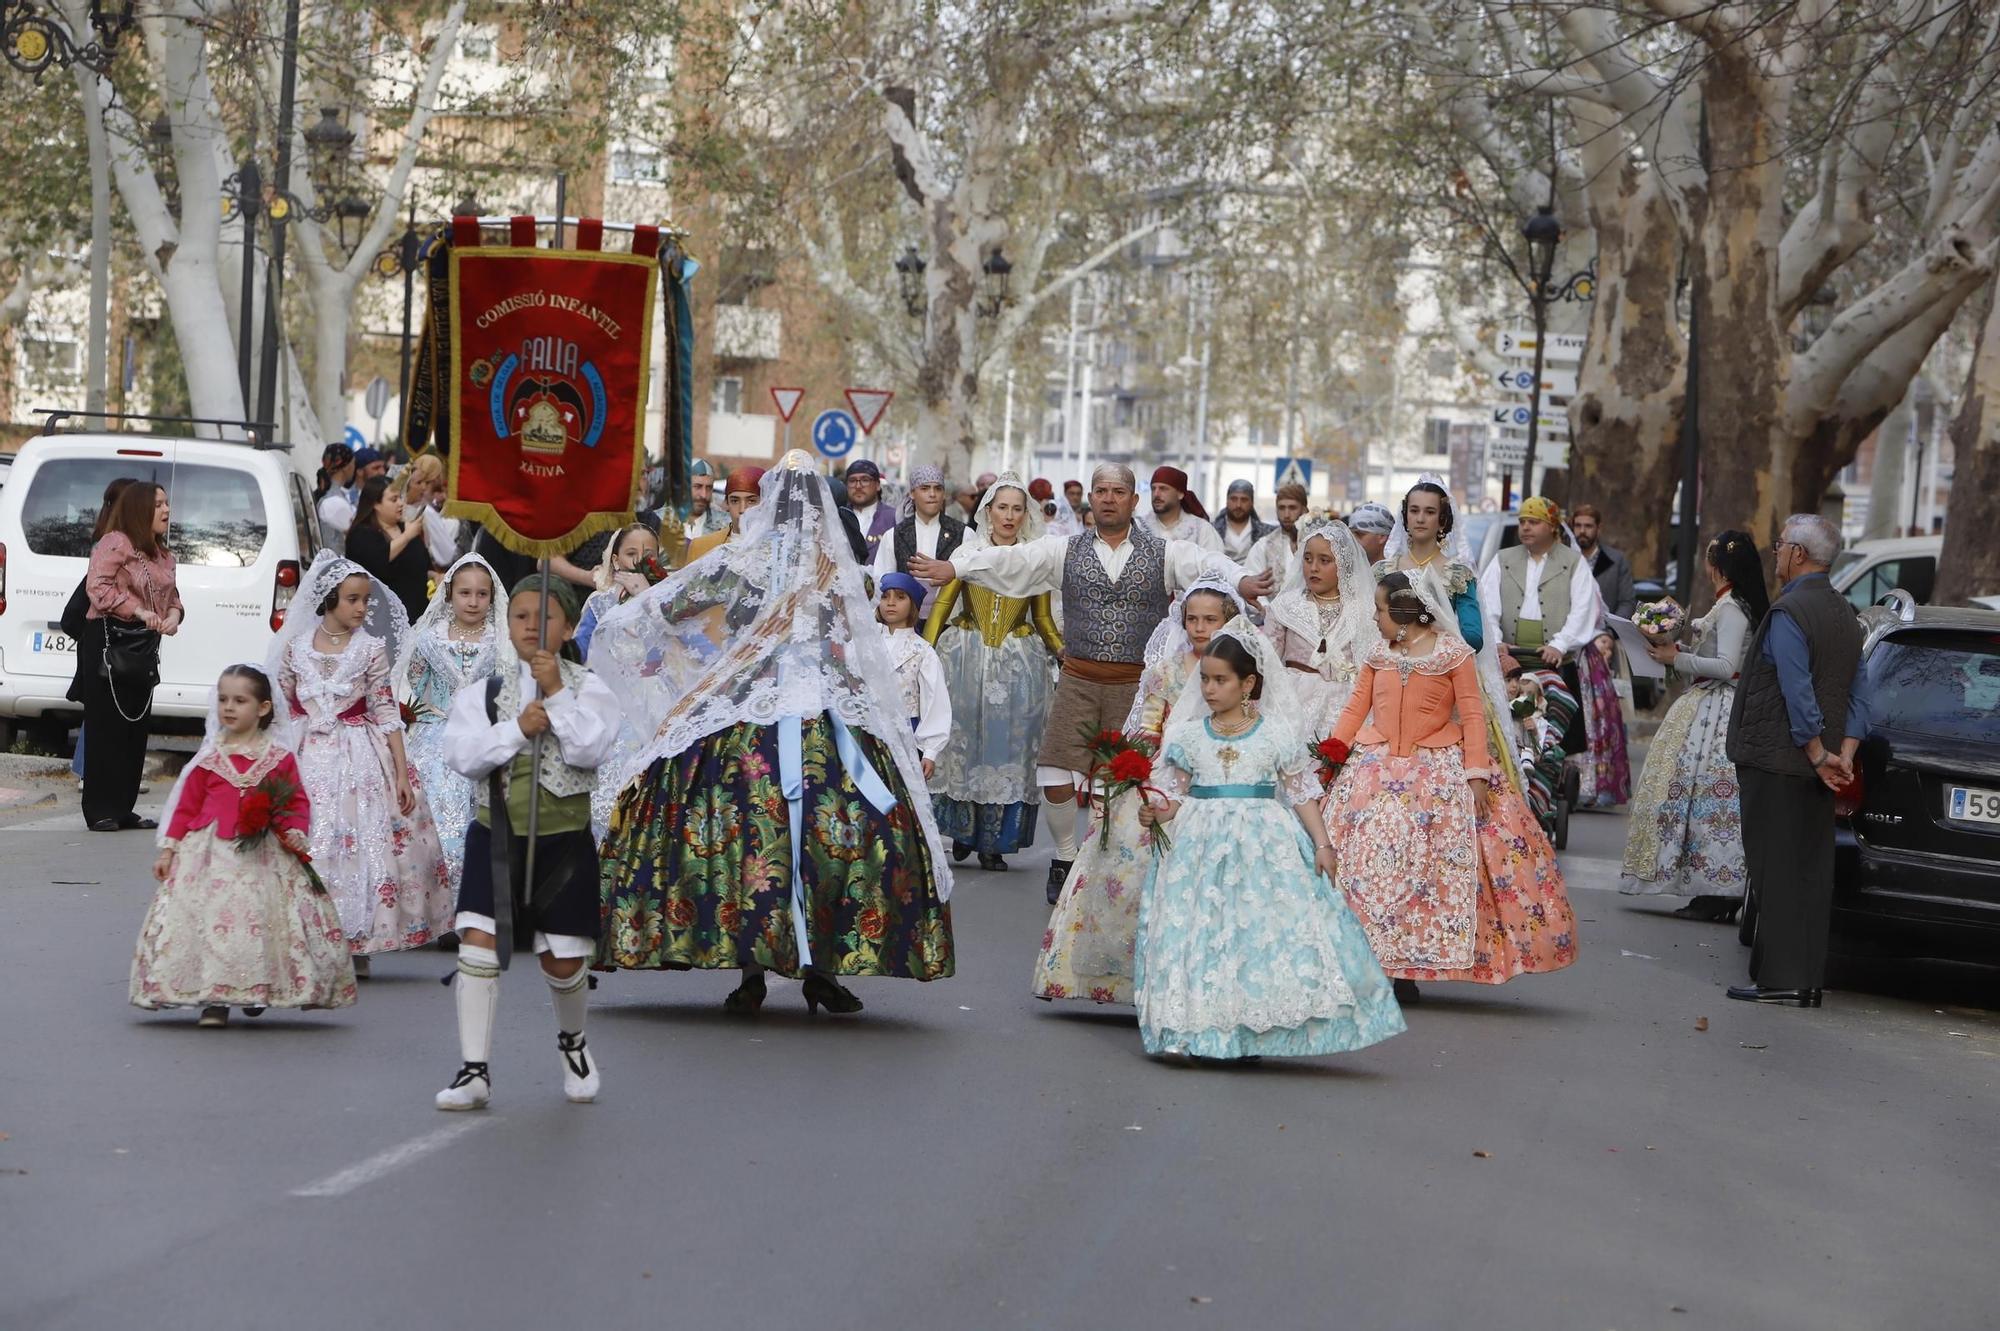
(1120,764)
(256,819)
(1332,753)
(652,570)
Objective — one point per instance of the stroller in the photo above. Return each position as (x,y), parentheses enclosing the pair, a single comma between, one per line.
(1553,782)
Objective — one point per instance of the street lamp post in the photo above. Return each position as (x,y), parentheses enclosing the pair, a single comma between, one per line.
(404,260)
(34,40)
(244,192)
(1544,234)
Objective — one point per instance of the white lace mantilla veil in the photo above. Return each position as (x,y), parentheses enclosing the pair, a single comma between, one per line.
(210,754)
(1355,632)
(385,622)
(1278,707)
(1169,643)
(1033,527)
(775,623)
(430,626)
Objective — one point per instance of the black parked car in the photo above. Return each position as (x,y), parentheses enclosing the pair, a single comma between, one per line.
(1917,846)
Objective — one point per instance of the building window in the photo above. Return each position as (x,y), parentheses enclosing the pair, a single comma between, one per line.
(728,394)
(481,44)
(49,358)
(638,164)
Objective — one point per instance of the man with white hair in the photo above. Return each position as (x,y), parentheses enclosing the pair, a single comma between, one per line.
(1117,583)
(1801,710)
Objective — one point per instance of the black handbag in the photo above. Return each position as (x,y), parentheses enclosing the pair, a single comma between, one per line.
(131,653)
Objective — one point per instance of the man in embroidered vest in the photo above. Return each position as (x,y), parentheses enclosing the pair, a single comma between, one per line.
(1540,601)
(489,736)
(1801,710)
(1177,515)
(926,529)
(1116,583)
(864,499)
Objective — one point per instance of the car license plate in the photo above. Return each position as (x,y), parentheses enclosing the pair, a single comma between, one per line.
(1972,805)
(56,644)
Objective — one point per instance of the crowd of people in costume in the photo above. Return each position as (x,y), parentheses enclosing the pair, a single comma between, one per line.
(1290,770)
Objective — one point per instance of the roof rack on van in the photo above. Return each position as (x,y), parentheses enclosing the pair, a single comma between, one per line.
(257,433)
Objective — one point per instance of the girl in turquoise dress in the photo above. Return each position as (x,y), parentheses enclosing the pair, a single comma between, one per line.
(1245,947)
(454,645)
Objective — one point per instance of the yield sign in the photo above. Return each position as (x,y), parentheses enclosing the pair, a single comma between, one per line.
(868,404)
(788,400)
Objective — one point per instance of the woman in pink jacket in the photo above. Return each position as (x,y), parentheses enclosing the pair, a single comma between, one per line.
(134,601)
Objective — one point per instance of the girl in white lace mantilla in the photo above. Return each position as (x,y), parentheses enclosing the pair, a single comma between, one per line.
(455,644)
(1323,624)
(373,841)
(1245,947)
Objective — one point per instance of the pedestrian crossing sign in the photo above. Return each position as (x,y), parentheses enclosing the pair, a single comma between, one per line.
(1295,471)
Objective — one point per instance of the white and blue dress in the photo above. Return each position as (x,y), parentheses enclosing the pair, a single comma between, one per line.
(1244,949)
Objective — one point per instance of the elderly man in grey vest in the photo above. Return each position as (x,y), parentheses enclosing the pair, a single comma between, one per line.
(1801,710)
(1116,583)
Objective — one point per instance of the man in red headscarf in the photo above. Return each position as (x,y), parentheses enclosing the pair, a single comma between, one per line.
(739,494)
(1177,514)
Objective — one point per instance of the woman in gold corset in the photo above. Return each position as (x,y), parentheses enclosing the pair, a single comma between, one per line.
(999,654)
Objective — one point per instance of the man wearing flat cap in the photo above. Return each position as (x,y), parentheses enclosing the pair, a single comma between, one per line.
(864,495)
(1177,513)
(1239,526)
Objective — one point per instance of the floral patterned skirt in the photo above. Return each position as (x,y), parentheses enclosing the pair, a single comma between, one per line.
(989,829)
(697,867)
(1525,925)
(387,872)
(1607,772)
(1687,823)
(447,795)
(1087,948)
(1403,831)
(240,928)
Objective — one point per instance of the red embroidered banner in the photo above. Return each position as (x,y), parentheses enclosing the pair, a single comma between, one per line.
(550,351)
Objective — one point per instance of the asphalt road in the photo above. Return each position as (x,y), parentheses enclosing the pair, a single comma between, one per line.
(1569,1151)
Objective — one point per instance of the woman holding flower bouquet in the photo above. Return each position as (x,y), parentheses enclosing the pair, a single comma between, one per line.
(1686,833)
(456,643)
(1245,947)
(239,919)
(1087,948)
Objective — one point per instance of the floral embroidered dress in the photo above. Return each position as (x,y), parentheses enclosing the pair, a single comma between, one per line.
(1606,768)
(236,926)
(435,666)
(777,813)
(1444,893)
(996,651)
(386,872)
(1243,947)
(1686,833)
(1087,948)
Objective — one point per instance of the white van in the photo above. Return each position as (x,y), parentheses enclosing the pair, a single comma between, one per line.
(1867,571)
(243,532)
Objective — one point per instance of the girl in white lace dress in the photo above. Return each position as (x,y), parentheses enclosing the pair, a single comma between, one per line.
(1245,947)
(373,842)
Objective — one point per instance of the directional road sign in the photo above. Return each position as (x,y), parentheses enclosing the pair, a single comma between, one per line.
(1520,342)
(834,433)
(1296,471)
(869,404)
(1516,414)
(1521,379)
(787,401)
(354,438)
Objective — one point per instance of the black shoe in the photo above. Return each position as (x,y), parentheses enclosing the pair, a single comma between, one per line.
(992,864)
(960,852)
(822,992)
(132,822)
(746,997)
(1756,993)
(1058,874)
(106,825)
(1406,992)
(253,1012)
(1713,910)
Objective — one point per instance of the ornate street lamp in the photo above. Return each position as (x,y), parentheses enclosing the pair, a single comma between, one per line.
(1544,234)
(910,275)
(998,271)
(243,195)
(405,259)
(33,40)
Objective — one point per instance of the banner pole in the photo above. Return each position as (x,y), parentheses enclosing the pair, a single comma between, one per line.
(542,634)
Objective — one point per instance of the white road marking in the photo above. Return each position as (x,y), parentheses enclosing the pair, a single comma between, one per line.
(389,1161)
